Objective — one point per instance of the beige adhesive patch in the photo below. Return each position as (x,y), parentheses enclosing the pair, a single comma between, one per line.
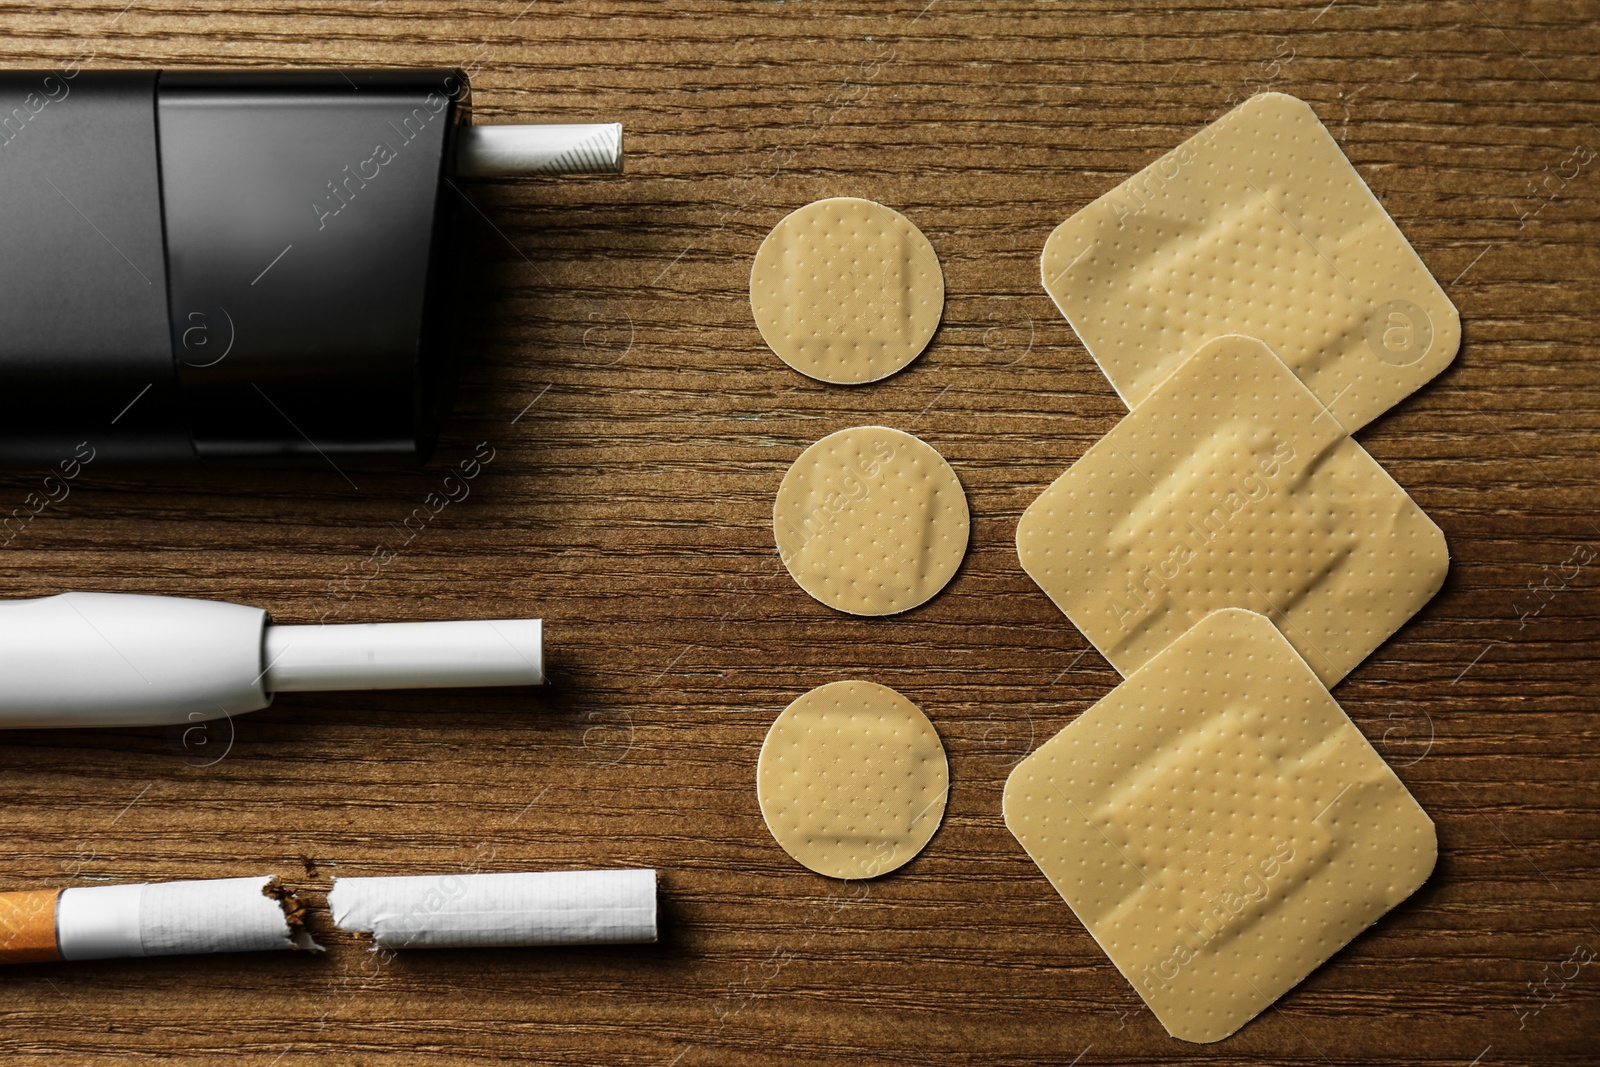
(871,521)
(1256,225)
(846,290)
(1219,825)
(1231,486)
(852,780)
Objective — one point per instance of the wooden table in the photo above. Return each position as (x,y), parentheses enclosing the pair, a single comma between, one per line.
(639,429)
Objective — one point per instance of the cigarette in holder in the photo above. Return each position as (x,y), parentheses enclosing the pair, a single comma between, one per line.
(152,919)
(480,910)
(121,659)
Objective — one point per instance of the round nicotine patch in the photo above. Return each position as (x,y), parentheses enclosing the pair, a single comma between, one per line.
(846,290)
(871,521)
(852,780)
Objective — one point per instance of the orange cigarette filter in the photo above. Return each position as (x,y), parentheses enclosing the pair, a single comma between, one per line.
(28,926)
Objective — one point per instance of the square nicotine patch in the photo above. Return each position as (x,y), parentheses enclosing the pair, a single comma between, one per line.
(1219,825)
(1256,225)
(1230,486)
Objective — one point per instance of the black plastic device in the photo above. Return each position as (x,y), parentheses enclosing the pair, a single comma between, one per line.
(225,265)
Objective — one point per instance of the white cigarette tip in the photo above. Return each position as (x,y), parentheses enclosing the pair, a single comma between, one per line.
(512,151)
(404,655)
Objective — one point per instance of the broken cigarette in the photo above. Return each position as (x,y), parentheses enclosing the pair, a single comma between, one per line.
(150,919)
(477,910)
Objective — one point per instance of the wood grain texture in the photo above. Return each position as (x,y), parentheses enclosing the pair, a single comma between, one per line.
(640,429)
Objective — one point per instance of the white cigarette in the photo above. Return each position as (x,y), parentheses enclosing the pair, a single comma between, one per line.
(474,910)
(153,919)
(511,151)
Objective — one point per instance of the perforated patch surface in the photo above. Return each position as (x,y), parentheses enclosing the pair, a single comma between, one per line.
(852,780)
(871,521)
(1256,225)
(846,290)
(1231,486)
(1219,825)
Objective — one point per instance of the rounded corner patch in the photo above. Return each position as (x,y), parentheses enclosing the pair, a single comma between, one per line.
(1231,485)
(1259,225)
(1219,825)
